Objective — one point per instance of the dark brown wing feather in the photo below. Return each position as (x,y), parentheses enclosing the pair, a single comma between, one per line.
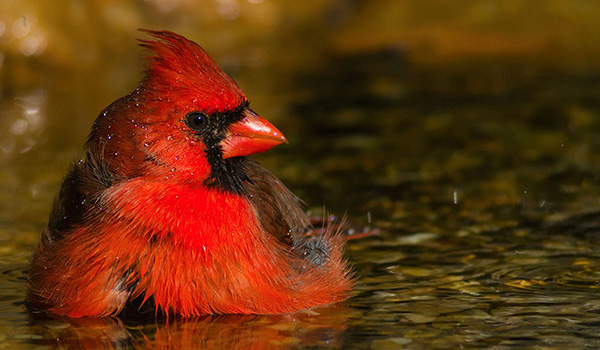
(79,192)
(281,215)
(278,209)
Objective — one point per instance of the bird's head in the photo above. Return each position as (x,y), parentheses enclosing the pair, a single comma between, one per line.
(187,118)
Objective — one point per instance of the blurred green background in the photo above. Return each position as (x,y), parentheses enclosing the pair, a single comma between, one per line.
(71,58)
(411,72)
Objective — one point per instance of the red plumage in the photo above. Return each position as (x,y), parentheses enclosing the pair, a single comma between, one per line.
(164,207)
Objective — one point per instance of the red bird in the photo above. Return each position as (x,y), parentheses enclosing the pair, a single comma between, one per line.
(164,207)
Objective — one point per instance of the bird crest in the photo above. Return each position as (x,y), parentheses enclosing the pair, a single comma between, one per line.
(181,67)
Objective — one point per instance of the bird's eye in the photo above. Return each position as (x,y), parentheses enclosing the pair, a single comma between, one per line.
(197,121)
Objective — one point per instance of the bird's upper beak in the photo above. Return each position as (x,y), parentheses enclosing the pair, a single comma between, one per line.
(252,134)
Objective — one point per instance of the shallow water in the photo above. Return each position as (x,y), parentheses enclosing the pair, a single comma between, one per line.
(476,172)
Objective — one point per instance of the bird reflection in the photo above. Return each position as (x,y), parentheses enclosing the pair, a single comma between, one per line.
(320,327)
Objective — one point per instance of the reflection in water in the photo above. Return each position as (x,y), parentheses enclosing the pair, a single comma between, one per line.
(322,328)
(84,333)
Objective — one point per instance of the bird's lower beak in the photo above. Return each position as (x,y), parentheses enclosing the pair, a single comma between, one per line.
(252,134)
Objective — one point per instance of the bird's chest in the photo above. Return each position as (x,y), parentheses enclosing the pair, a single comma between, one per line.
(205,250)
(197,218)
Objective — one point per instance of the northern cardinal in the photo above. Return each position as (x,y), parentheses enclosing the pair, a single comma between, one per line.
(164,207)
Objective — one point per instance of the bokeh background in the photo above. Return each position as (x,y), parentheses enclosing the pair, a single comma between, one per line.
(466,131)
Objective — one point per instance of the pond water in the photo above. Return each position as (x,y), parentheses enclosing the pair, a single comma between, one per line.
(481,177)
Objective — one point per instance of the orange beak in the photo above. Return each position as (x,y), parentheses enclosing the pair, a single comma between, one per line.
(252,134)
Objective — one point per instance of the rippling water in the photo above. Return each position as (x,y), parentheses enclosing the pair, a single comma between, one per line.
(481,176)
